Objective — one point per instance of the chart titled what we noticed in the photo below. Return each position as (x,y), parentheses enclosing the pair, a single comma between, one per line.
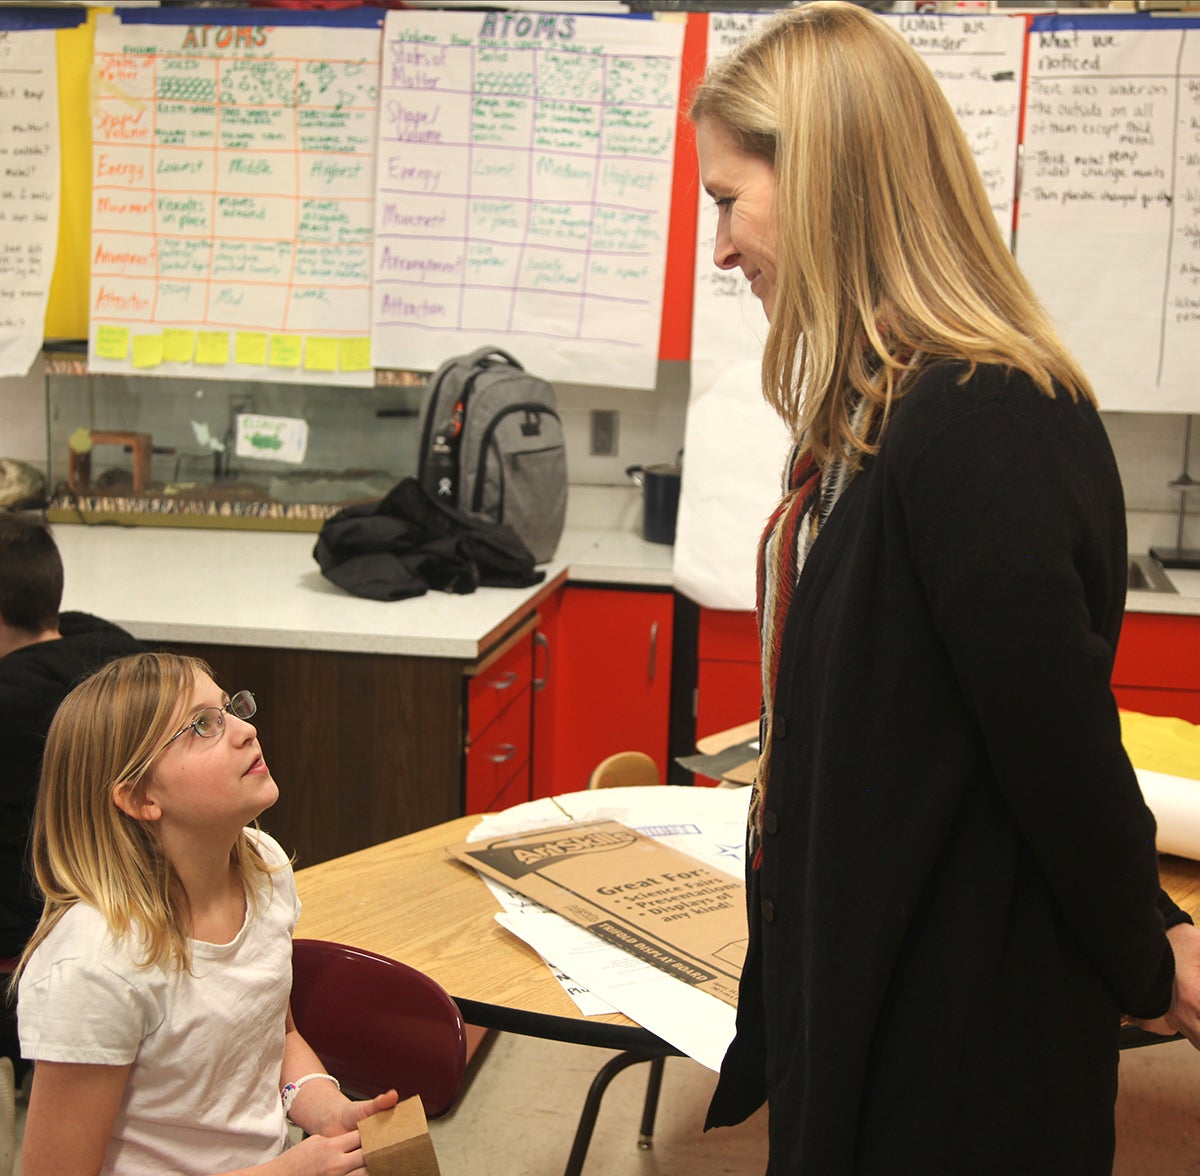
(233,180)
(524,182)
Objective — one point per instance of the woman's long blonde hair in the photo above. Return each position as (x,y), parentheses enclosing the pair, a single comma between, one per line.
(889,256)
(109,730)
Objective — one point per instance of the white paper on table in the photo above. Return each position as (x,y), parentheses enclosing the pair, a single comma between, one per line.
(708,823)
(694,1022)
(1175,803)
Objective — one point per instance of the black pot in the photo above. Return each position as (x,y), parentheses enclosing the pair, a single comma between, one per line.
(660,499)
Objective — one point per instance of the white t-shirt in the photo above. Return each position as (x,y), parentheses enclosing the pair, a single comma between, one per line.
(206,1047)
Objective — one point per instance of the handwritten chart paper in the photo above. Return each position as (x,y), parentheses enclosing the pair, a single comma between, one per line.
(524,183)
(1109,221)
(29,158)
(233,181)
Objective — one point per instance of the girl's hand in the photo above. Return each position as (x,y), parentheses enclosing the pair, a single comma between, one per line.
(321,1155)
(350,1114)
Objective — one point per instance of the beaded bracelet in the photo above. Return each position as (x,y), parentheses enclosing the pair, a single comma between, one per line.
(289,1092)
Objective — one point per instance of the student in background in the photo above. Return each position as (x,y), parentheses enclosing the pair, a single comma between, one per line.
(951,874)
(42,655)
(154,994)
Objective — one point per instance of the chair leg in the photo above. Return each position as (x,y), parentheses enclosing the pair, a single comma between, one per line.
(650,1107)
(591,1104)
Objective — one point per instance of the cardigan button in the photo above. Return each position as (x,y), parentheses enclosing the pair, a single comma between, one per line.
(768,911)
(779,726)
(771,821)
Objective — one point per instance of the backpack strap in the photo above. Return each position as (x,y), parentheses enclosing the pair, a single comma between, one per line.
(481,357)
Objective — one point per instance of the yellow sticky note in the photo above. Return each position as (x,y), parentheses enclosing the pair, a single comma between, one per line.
(320,355)
(147,351)
(178,345)
(355,354)
(112,342)
(212,347)
(250,347)
(286,350)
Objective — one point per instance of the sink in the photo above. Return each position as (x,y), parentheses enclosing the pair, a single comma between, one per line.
(1146,575)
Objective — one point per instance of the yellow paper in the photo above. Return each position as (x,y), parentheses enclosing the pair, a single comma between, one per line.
(286,350)
(178,345)
(112,342)
(320,355)
(67,308)
(212,347)
(250,347)
(147,351)
(355,354)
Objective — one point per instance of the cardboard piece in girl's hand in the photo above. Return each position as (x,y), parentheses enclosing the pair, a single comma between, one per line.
(396,1142)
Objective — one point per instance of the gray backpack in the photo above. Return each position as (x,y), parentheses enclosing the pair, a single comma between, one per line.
(491,442)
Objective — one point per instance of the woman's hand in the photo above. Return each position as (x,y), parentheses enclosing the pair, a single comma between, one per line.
(1184,1014)
(318,1155)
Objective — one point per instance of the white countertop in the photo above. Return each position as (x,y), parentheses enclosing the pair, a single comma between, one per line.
(264,588)
(1185,601)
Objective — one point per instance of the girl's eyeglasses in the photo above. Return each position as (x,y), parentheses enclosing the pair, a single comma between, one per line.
(210,722)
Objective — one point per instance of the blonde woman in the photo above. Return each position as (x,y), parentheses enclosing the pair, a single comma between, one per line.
(952,881)
(154,994)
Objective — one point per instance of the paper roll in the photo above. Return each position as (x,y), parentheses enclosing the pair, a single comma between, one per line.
(1175,803)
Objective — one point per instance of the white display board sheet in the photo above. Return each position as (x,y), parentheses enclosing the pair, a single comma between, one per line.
(735,445)
(524,182)
(233,182)
(1109,218)
(29,187)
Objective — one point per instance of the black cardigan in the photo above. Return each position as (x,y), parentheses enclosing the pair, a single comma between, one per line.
(959,890)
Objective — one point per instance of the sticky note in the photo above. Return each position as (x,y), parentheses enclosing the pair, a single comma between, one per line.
(178,345)
(212,347)
(286,350)
(112,342)
(355,354)
(147,351)
(250,347)
(320,355)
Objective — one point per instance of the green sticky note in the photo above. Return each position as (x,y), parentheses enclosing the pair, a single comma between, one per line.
(147,351)
(286,350)
(212,347)
(355,354)
(112,342)
(320,355)
(178,345)
(250,347)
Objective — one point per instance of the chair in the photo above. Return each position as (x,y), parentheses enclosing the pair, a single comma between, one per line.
(376,1023)
(625,769)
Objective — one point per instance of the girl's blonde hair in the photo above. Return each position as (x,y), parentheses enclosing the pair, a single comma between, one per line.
(889,256)
(108,731)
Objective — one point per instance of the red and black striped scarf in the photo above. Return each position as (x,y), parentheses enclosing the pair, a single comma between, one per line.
(809,496)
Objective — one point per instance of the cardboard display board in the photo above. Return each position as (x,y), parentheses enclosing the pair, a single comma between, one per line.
(664,907)
(396,1142)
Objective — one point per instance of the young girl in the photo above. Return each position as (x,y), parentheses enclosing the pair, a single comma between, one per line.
(154,995)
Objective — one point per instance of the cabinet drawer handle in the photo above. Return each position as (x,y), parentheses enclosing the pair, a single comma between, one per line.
(506,752)
(544,641)
(653,648)
(504,681)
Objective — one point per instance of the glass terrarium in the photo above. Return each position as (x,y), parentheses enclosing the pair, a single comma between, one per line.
(220,453)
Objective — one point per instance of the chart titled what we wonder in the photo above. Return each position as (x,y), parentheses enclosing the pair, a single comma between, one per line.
(524,183)
(232,209)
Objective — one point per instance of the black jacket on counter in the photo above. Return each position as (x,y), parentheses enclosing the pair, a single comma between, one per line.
(409,542)
(33,682)
(959,892)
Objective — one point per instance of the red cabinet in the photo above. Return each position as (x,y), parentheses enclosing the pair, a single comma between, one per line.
(728,677)
(1158,665)
(602,682)
(499,727)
